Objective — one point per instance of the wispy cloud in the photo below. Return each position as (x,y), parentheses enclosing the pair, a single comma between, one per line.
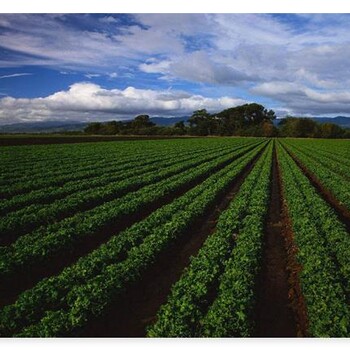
(14,75)
(113,75)
(92,75)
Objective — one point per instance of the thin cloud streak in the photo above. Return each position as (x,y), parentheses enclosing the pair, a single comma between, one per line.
(15,75)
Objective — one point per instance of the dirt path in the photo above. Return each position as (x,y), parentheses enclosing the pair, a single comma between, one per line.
(275,317)
(137,309)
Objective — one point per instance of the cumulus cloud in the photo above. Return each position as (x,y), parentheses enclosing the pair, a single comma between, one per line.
(87,101)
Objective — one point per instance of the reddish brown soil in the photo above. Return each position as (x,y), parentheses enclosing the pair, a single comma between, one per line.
(342,212)
(137,308)
(275,317)
(295,294)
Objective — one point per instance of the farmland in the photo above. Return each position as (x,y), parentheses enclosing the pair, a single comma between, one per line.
(196,237)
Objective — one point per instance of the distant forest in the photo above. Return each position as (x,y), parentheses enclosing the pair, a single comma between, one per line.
(246,120)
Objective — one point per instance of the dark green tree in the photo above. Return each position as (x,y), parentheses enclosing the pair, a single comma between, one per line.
(141,121)
(202,123)
(180,128)
(331,131)
(93,128)
(298,127)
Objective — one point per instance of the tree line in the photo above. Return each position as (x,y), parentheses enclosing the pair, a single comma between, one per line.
(246,120)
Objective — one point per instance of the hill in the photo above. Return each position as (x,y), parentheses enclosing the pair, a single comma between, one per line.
(42,127)
(343,122)
(62,126)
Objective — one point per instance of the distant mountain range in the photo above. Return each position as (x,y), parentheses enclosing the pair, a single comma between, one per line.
(42,127)
(344,122)
(60,126)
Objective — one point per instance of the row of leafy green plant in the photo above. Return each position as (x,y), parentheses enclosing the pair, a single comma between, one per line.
(111,173)
(338,149)
(23,221)
(57,161)
(95,160)
(322,250)
(112,157)
(105,163)
(323,159)
(335,150)
(330,179)
(63,303)
(49,241)
(39,157)
(225,266)
(328,224)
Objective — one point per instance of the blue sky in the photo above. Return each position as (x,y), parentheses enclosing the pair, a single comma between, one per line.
(114,66)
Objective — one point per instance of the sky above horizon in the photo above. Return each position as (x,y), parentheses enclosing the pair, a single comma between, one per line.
(114,66)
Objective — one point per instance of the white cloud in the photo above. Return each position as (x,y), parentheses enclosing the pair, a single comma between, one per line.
(92,75)
(14,75)
(113,75)
(87,101)
(108,19)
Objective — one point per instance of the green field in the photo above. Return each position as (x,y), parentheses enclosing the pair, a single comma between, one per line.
(192,237)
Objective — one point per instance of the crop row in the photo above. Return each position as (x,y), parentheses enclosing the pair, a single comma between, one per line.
(335,183)
(27,219)
(321,282)
(334,153)
(337,148)
(110,160)
(324,160)
(80,189)
(51,169)
(229,258)
(74,173)
(68,301)
(34,162)
(66,235)
(32,157)
(328,224)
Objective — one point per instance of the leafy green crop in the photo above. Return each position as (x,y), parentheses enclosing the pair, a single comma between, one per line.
(184,313)
(143,239)
(321,282)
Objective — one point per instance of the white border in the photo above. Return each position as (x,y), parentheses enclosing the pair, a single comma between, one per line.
(175,6)
(170,344)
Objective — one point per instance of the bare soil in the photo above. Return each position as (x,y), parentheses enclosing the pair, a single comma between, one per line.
(274,314)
